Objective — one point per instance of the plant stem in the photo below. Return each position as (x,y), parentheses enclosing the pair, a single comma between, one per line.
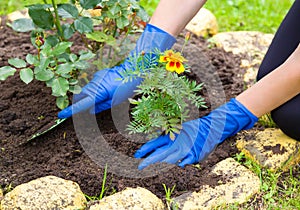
(39,53)
(57,21)
(114,35)
(122,40)
(103,188)
(86,44)
(101,55)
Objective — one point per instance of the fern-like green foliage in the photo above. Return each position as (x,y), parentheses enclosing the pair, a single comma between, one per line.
(162,99)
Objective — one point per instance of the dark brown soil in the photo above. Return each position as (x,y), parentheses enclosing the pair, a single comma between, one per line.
(24,109)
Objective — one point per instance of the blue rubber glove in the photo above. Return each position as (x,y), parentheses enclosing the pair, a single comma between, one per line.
(198,138)
(98,94)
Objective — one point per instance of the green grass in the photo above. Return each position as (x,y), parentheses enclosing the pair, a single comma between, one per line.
(257,15)
(279,190)
(234,15)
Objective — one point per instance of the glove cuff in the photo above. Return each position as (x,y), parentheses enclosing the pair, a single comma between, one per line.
(154,38)
(168,40)
(228,119)
(252,119)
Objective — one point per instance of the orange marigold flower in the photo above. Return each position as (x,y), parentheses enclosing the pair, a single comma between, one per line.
(174,61)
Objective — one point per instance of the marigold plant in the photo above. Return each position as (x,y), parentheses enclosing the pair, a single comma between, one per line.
(162,100)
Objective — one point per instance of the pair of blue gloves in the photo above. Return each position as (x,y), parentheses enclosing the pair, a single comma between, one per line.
(197,139)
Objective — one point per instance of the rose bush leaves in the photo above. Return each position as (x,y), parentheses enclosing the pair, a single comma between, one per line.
(89,4)
(41,15)
(68,11)
(23,25)
(59,74)
(51,27)
(6,71)
(26,75)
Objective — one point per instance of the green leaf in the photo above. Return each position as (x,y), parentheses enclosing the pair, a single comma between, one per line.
(75,89)
(41,17)
(73,82)
(68,31)
(44,63)
(73,57)
(100,36)
(61,47)
(64,68)
(89,4)
(81,64)
(62,102)
(83,25)
(6,71)
(115,9)
(31,59)
(46,49)
(172,136)
(26,75)
(86,55)
(143,15)
(44,75)
(17,62)
(49,82)
(62,60)
(67,11)
(52,40)
(122,22)
(36,69)
(67,76)
(23,25)
(60,86)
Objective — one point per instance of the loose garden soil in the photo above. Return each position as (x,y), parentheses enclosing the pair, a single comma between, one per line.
(24,109)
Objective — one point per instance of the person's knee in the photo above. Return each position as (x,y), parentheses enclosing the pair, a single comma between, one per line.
(287,118)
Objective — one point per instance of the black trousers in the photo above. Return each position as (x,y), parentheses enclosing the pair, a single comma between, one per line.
(285,41)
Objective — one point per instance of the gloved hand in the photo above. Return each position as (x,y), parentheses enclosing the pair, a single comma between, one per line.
(97,95)
(198,138)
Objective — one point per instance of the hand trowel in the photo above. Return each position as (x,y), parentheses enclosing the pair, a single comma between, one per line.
(46,129)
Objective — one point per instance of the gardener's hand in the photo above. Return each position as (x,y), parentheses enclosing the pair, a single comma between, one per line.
(199,137)
(98,94)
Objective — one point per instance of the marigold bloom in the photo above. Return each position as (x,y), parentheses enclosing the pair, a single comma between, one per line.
(174,61)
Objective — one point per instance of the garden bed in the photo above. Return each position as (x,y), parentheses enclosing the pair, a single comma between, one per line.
(24,109)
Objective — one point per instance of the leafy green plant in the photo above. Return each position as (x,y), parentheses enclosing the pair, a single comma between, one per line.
(7,188)
(104,188)
(267,121)
(169,200)
(52,65)
(279,189)
(164,94)
(239,157)
(104,27)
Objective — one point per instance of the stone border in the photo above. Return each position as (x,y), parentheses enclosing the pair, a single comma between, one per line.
(51,192)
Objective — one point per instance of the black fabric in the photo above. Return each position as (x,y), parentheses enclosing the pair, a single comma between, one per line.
(285,41)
